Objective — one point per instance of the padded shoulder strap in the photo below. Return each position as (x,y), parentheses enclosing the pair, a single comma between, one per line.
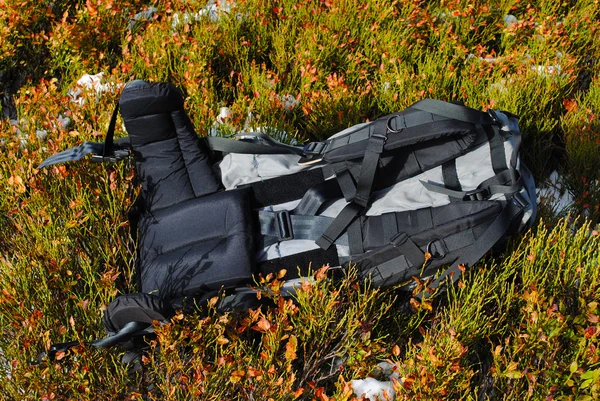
(267,146)
(455,112)
(495,232)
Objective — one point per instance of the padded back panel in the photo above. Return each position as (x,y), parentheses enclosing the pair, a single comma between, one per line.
(197,246)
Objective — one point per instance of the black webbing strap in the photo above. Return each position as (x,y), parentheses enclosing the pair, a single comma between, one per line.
(484,243)
(346,184)
(316,196)
(454,111)
(450,177)
(515,154)
(355,238)
(339,224)
(497,154)
(284,188)
(368,169)
(110,133)
(438,249)
(76,153)
(268,146)
(400,245)
(484,191)
(395,123)
(363,189)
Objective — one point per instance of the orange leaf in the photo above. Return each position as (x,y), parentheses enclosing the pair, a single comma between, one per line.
(322,272)
(570,105)
(263,325)
(414,303)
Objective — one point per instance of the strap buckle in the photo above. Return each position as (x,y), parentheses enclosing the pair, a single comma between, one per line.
(284,225)
(315,148)
(476,195)
(376,143)
(383,137)
(494,116)
(519,200)
(116,156)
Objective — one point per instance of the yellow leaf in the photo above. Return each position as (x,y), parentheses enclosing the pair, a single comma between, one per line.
(290,348)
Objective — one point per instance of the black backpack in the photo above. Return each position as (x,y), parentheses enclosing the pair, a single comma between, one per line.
(436,184)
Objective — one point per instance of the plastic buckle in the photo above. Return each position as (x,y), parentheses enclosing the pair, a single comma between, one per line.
(284,225)
(477,195)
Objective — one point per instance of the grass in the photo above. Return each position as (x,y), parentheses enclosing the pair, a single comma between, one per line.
(522,326)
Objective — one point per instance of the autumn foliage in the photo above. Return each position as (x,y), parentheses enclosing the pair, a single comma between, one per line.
(523,325)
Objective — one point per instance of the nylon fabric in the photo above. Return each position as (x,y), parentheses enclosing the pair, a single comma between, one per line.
(197,246)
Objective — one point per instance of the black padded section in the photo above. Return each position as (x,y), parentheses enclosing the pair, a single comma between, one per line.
(197,246)
(300,263)
(144,308)
(425,133)
(140,98)
(424,225)
(171,161)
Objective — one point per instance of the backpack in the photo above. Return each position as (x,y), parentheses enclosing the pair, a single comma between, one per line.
(436,184)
